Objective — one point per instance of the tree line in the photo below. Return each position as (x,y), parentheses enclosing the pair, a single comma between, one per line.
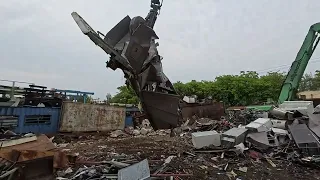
(246,88)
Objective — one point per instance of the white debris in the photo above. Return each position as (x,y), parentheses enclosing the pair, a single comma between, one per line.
(117,133)
(144,131)
(206,138)
(136,132)
(241,147)
(260,125)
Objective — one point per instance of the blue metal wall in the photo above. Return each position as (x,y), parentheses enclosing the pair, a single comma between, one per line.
(46,128)
(129,118)
(129,121)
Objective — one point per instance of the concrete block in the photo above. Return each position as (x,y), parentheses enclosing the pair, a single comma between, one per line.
(233,137)
(189,99)
(260,125)
(206,138)
(304,107)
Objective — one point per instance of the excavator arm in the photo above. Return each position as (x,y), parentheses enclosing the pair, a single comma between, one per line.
(296,71)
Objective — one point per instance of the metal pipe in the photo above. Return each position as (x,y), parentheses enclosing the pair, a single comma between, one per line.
(9,173)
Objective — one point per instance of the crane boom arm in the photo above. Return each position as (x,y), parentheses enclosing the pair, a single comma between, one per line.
(296,71)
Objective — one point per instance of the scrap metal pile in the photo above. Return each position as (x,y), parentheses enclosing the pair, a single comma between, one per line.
(284,144)
(132,47)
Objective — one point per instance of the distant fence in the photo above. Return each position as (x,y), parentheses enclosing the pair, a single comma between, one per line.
(30,119)
(79,117)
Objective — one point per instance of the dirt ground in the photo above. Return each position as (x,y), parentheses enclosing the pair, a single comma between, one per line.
(97,147)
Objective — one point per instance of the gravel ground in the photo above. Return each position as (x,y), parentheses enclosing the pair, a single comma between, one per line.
(97,147)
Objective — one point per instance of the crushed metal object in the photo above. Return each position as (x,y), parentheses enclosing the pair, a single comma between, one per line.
(132,48)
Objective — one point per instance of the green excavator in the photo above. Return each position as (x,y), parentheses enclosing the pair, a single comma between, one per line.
(290,85)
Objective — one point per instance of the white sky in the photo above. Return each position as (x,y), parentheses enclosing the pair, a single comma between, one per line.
(199,40)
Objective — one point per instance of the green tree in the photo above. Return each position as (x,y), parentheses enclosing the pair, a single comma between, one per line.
(126,95)
(271,83)
(246,88)
(316,80)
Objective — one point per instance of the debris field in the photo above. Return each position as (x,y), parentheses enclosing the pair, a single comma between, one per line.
(280,144)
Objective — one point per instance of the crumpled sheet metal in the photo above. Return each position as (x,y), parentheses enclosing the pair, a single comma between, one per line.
(141,64)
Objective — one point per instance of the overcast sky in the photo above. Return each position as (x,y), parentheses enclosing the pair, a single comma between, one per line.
(199,39)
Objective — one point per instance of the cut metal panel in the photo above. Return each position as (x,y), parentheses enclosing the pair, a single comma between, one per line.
(136,54)
(144,34)
(118,31)
(162,109)
(138,171)
(305,139)
(79,117)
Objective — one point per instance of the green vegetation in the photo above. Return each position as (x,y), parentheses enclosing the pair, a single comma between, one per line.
(247,88)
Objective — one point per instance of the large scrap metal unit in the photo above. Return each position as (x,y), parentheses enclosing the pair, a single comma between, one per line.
(132,47)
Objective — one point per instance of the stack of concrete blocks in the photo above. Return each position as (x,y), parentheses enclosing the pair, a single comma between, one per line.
(206,138)
(233,137)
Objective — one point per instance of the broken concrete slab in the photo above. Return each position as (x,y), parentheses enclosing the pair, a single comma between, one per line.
(206,138)
(233,137)
(260,125)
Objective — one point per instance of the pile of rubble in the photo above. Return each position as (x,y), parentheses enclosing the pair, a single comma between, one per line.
(144,129)
(291,131)
(284,144)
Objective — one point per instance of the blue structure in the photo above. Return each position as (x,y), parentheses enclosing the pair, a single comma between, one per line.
(129,115)
(129,121)
(31,119)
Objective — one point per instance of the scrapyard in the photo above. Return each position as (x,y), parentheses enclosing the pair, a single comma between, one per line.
(169,136)
(202,148)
